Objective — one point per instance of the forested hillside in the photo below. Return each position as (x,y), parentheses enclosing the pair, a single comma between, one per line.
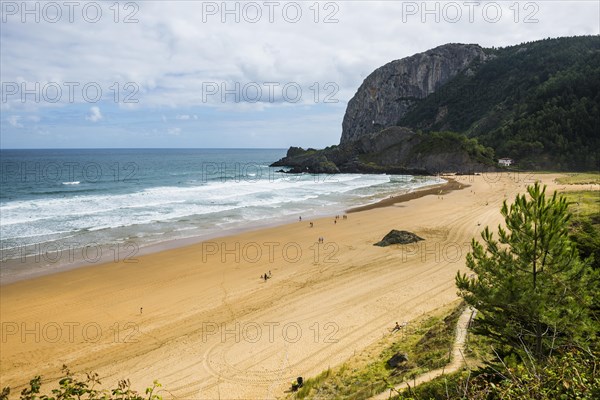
(536,102)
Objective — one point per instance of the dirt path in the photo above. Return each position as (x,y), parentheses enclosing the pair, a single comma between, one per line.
(455,364)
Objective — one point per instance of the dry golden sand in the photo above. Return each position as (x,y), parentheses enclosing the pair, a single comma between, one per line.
(211,328)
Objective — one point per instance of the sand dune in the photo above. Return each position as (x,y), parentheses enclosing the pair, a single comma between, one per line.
(211,328)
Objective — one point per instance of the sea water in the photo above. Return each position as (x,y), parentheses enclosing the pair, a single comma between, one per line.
(68,207)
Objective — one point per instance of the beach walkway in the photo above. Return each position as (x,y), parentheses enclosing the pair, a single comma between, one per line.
(457,358)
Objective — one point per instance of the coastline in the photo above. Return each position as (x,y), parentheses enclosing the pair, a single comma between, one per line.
(437,189)
(211,327)
(113,253)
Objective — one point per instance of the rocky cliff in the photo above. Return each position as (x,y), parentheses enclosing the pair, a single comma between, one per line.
(372,143)
(394,150)
(536,102)
(386,94)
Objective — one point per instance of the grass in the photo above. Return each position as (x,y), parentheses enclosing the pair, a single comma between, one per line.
(583,178)
(478,349)
(585,224)
(427,342)
(442,387)
(584,204)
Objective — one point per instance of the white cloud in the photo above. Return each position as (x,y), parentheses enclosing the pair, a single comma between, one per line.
(186,117)
(166,60)
(13,120)
(95,114)
(160,52)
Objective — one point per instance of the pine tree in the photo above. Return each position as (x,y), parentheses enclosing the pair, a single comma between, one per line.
(532,291)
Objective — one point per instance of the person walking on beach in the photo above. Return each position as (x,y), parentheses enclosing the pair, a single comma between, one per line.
(141,309)
(300,219)
(311,224)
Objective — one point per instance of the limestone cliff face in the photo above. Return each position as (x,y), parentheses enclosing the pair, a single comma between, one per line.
(387,93)
(394,150)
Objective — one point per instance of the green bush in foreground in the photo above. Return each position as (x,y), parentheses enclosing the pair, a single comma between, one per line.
(533,293)
(71,387)
(574,374)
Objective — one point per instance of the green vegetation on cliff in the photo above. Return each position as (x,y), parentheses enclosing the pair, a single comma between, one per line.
(448,142)
(537,102)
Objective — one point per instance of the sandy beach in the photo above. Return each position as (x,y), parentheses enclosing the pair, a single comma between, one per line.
(200,320)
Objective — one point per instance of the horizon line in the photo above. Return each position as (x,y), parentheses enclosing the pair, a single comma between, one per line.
(144,148)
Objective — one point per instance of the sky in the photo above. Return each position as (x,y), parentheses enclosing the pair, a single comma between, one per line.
(214,74)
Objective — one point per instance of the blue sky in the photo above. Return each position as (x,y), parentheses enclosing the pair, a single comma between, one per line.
(250,74)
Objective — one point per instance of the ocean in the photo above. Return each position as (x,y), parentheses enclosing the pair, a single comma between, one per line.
(67,208)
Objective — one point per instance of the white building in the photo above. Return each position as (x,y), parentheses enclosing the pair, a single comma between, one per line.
(505,162)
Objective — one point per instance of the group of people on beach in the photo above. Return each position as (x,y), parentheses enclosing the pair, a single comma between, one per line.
(266,276)
(311,224)
(337,217)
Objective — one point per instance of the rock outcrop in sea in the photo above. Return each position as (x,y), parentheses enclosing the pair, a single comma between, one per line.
(371,143)
(394,150)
